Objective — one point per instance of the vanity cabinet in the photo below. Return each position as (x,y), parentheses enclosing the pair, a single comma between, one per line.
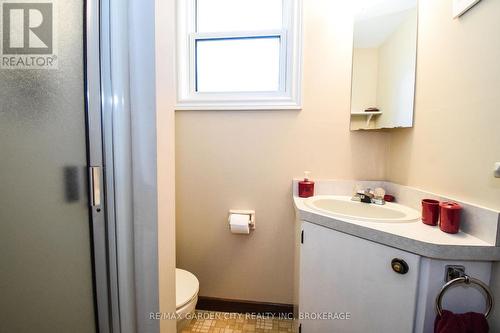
(345,275)
(347,284)
(349,258)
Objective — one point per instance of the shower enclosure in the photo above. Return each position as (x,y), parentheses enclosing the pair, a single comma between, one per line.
(70,257)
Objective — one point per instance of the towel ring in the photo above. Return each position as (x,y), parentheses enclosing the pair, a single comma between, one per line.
(466,280)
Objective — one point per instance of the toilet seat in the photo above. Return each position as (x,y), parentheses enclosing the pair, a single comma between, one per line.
(186,288)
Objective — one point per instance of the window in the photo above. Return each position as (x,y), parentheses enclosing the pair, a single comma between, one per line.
(238,54)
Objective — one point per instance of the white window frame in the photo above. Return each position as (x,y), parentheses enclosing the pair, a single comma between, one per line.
(289,94)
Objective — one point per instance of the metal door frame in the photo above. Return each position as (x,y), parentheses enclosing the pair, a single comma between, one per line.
(125,254)
(101,225)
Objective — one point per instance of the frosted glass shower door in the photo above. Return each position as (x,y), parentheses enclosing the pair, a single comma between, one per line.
(46,277)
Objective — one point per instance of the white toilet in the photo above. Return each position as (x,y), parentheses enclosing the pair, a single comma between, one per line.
(186,289)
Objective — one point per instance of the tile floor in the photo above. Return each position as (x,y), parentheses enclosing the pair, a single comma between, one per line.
(222,322)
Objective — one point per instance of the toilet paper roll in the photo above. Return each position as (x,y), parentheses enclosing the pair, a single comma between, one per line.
(239,223)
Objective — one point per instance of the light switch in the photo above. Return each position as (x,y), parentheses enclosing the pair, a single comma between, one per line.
(497,170)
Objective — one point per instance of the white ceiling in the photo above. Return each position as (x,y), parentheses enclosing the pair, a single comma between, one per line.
(378,19)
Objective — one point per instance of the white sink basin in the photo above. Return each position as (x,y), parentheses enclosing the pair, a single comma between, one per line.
(344,207)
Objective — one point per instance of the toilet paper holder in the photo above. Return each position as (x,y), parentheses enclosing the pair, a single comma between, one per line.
(251,213)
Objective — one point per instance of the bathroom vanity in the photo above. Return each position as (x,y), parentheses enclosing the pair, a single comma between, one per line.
(358,272)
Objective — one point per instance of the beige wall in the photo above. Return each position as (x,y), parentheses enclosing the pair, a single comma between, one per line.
(456,138)
(165,101)
(247,159)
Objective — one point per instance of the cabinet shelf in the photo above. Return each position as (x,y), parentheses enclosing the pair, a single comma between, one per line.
(369,115)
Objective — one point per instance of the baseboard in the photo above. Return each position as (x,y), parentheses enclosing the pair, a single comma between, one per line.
(242,306)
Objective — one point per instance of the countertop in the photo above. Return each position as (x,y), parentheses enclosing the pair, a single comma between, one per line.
(414,237)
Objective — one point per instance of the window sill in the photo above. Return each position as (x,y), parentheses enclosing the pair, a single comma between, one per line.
(187,106)
(236,107)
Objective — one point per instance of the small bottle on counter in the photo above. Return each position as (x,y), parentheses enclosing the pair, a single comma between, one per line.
(306,186)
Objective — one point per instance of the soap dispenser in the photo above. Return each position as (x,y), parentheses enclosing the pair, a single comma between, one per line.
(306,186)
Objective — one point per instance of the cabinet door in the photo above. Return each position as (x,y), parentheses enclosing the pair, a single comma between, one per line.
(340,273)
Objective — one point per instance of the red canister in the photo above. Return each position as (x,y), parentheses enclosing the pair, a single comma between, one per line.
(430,211)
(450,217)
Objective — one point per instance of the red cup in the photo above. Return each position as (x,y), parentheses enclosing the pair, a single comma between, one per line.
(450,217)
(389,198)
(430,211)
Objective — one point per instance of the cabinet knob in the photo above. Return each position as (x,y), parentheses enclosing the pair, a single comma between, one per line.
(399,266)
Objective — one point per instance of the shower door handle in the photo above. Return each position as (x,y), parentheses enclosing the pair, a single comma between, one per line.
(95,175)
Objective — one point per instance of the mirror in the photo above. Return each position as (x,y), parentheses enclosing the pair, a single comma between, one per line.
(383,65)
